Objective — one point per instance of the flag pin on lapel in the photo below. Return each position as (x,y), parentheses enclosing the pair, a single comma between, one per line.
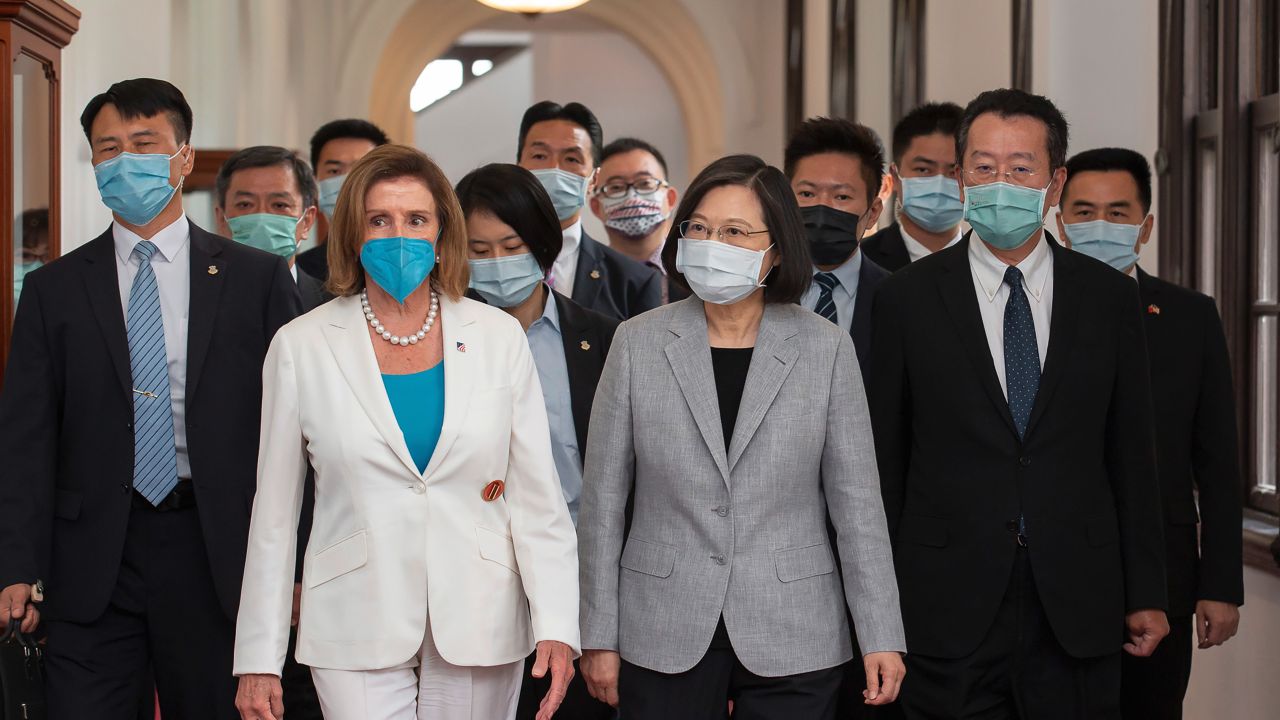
(1153,309)
(462,347)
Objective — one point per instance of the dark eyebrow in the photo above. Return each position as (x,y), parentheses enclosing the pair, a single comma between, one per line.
(1120,204)
(143,133)
(923,159)
(331,161)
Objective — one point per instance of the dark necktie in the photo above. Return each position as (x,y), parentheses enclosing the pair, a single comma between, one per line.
(826,306)
(1021,354)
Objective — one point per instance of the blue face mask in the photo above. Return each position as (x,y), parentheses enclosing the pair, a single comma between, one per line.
(329,188)
(398,265)
(136,187)
(1004,215)
(932,202)
(568,191)
(506,281)
(276,234)
(1113,243)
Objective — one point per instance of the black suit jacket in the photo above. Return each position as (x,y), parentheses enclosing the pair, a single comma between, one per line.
(66,418)
(870,275)
(587,336)
(1195,444)
(315,262)
(311,289)
(613,284)
(313,296)
(954,473)
(887,248)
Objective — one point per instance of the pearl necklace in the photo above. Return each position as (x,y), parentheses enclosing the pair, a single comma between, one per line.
(411,339)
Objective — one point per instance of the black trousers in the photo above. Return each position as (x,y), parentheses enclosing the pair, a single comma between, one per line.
(1152,688)
(704,691)
(1018,671)
(578,703)
(164,617)
(300,699)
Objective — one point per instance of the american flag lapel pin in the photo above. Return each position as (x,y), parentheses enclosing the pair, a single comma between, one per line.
(1153,309)
(462,347)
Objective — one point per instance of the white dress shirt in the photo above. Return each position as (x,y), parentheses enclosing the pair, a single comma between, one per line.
(916,249)
(566,264)
(845,293)
(172,267)
(993,295)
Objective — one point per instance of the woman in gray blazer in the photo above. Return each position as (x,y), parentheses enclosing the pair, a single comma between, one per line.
(735,423)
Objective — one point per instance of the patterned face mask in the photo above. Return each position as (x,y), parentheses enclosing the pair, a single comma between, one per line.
(633,214)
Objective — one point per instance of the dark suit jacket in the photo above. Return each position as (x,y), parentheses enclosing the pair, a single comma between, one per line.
(315,262)
(1195,444)
(869,278)
(613,284)
(312,290)
(955,474)
(313,296)
(66,418)
(887,248)
(586,335)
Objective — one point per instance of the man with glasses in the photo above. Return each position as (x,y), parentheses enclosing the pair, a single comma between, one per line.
(923,171)
(1011,402)
(634,200)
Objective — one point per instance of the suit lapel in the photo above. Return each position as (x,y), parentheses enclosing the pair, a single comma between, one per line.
(349,342)
(860,327)
(690,358)
(208,274)
(961,300)
(582,357)
(896,248)
(1062,328)
(102,282)
(588,278)
(771,362)
(459,337)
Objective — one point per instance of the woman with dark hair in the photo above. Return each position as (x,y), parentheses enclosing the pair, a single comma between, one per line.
(513,237)
(735,422)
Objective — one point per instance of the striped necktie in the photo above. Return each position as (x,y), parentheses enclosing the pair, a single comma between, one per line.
(155,455)
(826,305)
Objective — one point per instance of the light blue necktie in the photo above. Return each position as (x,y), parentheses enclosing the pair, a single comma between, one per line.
(1021,353)
(155,456)
(826,305)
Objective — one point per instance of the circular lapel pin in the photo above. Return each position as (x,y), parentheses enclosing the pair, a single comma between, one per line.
(493,490)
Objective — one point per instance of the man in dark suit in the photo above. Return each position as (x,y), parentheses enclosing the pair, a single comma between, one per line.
(1023,505)
(928,195)
(561,145)
(1106,214)
(634,201)
(836,169)
(129,431)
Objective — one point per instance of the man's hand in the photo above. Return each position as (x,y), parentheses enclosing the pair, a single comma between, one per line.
(557,657)
(1216,622)
(885,671)
(1146,629)
(15,602)
(259,697)
(600,670)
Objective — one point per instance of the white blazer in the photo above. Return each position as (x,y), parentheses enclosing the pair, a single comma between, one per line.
(392,548)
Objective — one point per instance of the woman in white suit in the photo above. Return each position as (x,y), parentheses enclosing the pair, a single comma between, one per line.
(442,551)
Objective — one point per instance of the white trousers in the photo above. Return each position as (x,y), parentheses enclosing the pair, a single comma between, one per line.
(426,687)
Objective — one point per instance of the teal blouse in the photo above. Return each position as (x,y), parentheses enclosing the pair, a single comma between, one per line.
(418,402)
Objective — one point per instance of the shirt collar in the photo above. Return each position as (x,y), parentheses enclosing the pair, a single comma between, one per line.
(989,269)
(550,315)
(848,271)
(916,249)
(572,238)
(169,241)
(656,260)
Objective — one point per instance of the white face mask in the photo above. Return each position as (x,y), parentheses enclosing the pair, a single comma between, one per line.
(718,272)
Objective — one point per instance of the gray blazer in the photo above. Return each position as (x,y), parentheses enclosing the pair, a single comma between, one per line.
(742,534)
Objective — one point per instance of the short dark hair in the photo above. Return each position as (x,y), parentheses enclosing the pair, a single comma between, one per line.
(787,282)
(1007,102)
(576,113)
(925,120)
(266,156)
(819,135)
(630,144)
(142,97)
(348,128)
(1117,159)
(514,196)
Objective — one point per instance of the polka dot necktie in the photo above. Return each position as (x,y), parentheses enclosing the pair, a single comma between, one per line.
(826,306)
(1021,354)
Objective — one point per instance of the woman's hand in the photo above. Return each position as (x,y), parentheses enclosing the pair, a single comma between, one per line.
(885,671)
(600,670)
(557,657)
(260,698)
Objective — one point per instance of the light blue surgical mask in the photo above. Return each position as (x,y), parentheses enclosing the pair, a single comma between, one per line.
(932,202)
(1115,244)
(506,281)
(718,272)
(568,191)
(1003,214)
(20,271)
(136,187)
(276,234)
(398,265)
(329,189)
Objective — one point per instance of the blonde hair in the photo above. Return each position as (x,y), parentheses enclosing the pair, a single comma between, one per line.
(347,232)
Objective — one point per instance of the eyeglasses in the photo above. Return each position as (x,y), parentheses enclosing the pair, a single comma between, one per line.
(1017,175)
(644,186)
(731,233)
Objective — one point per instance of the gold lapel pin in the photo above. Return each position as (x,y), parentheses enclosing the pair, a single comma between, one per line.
(595,274)
(213,269)
(584,345)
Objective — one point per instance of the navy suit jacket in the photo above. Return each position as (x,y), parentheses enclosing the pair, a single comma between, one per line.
(613,284)
(887,249)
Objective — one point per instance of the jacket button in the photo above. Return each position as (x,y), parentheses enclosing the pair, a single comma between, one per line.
(719,559)
(125,487)
(419,488)
(722,511)
(1025,461)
